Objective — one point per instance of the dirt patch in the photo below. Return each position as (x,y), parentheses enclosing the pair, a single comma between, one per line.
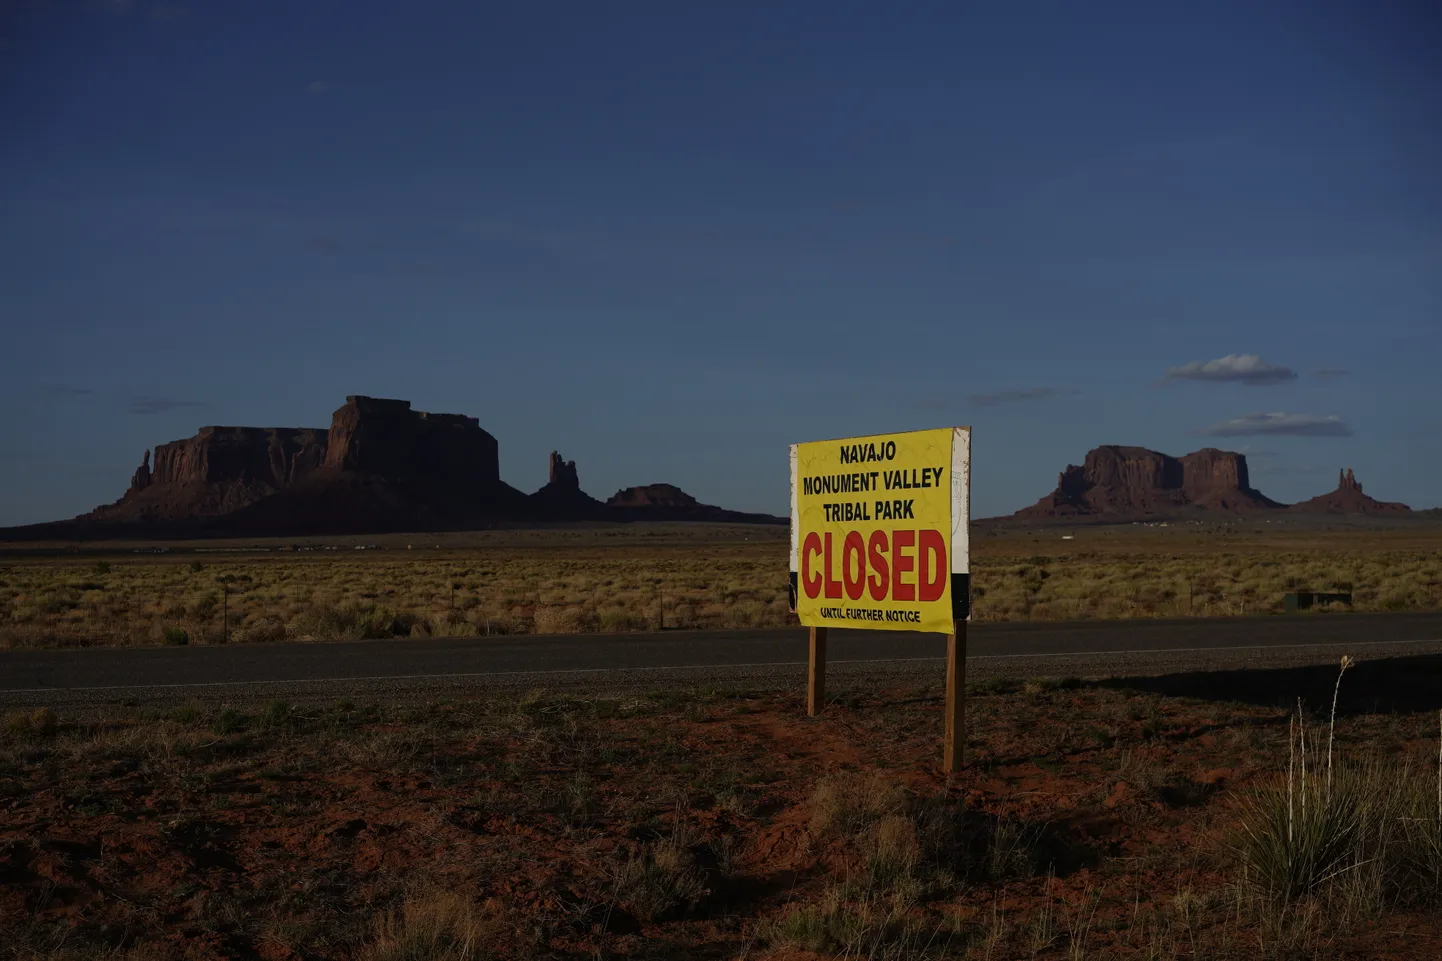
(1092,821)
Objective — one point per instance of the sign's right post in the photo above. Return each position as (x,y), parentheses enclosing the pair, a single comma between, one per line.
(954,741)
(954,744)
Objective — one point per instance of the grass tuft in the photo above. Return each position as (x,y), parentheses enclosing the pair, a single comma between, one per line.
(436,925)
(849,804)
(658,881)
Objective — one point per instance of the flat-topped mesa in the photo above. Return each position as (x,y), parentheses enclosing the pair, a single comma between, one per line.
(219,470)
(1210,470)
(1219,479)
(1117,480)
(1349,499)
(667,502)
(273,456)
(380,467)
(653,495)
(386,438)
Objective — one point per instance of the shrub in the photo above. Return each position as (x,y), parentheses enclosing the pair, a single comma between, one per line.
(872,928)
(325,623)
(55,602)
(1423,833)
(375,621)
(744,613)
(42,721)
(175,636)
(450,624)
(892,850)
(260,630)
(437,925)
(227,721)
(849,804)
(276,715)
(658,880)
(38,723)
(906,840)
(558,620)
(617,620)
(822,928)
(351,622)
(185,714)
(983,847)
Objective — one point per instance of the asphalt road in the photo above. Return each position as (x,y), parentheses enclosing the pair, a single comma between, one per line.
(1082,648)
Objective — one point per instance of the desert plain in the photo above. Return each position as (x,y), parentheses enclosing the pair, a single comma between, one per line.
(1249,813)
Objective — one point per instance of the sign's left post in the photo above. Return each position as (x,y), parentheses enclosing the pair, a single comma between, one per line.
(816,673)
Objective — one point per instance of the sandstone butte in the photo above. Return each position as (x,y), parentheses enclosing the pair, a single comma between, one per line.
(1349,499)
(380,467)
(1134,481)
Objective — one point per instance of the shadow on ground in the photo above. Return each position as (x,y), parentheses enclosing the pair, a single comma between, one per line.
(1385,686)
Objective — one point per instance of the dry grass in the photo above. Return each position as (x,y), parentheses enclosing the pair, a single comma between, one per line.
(698,822)
(629,584)
(436,925)
(659,880)
(847,804)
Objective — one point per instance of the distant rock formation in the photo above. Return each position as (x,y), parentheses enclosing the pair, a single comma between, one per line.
(380,467)
(563,474)
(219,470)
(141,478)
(667,502)
(653,495)
(1126,481)
(562,497)
(1349,499)
(388,439)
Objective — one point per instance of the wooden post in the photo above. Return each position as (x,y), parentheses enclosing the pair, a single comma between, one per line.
(954,746)
(816,673)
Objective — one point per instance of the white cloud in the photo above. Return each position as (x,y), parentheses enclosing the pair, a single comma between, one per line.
(1279,423)
(1248,369)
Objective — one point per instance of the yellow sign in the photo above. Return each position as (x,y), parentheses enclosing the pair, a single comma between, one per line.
(880,531)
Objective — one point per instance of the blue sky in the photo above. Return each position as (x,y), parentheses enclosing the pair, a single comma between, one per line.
(668,239)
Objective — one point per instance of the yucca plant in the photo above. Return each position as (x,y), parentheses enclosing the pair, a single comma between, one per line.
(1424,834)
(1346,831)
